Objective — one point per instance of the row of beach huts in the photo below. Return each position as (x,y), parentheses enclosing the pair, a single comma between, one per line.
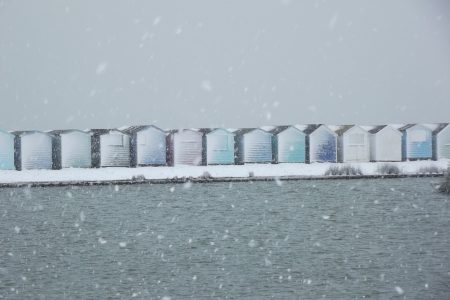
(151,146)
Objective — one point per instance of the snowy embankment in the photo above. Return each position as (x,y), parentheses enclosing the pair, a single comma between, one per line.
(214,173)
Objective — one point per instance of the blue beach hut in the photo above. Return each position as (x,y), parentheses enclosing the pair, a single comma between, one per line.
(6,151)
(416,142)
(321,144)
(148,145)
(288,144)
(218,146)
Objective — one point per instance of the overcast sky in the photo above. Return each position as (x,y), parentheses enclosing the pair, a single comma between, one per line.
(103,63)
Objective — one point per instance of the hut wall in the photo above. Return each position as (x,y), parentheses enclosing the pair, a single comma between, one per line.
(36,151)
(322,145)
(114,150)
(6,151)
(257,147)
(219,147)
(150,147)
(75,151)
(187,148)
(386,145)
(417,142)
(290,146)
(442,144)
(355,145)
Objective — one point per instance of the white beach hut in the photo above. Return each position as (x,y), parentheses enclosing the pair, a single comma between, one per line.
(110,148)
(385,144)
(185,147)
(72,149)
(33,150)
(353,144)
(441,142)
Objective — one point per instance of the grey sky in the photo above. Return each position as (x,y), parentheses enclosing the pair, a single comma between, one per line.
(85,64)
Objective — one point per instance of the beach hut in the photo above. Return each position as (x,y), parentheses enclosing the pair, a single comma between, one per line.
(253,145)
(416,142)
(218,146)
(385,144)
(353,144)
(441,142)
(321,144)
(33,150)
(185,147)
(6,151)
(288,144)
(110,148)
(148,145)
(71,149)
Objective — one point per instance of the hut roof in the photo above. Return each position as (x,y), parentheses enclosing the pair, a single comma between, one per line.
(209,130)
(134,129)
(440,127)
(106,131)
(368,127)
(432,126)
(268,128)
(26,132)
(172,131)
(279,129)
(406,127)
(344,128)
(301,127)
(4,131)
(243,131)
(63,131)
(377,129)
(397,125)
(311,128)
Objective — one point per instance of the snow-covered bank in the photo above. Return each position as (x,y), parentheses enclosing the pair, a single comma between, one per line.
(235,171)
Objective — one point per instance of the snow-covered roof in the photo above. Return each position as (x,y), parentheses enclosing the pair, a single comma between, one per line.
(268,128)
(26,132)
(65,131)
(106,131)
(440,128)
(133,129)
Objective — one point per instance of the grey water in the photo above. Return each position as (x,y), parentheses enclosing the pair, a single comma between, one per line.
(333,239)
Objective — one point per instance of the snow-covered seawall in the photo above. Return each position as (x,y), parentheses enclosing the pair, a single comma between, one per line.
(212,173)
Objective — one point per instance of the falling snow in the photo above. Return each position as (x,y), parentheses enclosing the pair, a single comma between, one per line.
(101,68)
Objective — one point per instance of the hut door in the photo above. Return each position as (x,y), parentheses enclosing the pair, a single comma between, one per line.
(357,145)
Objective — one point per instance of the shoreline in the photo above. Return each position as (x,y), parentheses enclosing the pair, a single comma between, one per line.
(184,180)
(220,173)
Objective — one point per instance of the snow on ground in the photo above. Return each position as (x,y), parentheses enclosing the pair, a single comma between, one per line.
(232,171)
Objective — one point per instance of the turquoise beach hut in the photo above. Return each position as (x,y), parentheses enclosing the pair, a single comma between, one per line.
(416,142)
(218,146)
(6,151)
(288,144)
